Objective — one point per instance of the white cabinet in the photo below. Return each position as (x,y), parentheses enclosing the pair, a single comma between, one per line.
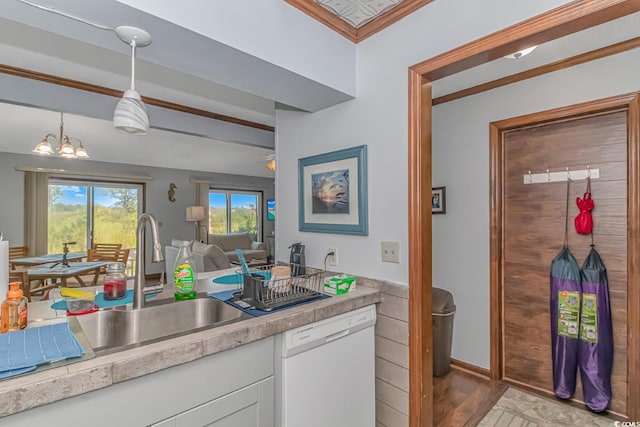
(231,388)
(251,406)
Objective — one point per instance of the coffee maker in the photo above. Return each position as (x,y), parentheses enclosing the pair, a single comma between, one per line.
(296,259)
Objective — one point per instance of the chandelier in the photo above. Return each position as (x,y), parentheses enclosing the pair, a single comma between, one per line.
(63,148)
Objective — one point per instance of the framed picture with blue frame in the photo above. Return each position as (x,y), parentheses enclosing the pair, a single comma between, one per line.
(332,192)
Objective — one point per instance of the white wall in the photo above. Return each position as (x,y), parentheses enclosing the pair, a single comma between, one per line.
(378,118)
(461,162)
(271,30)
(171,215)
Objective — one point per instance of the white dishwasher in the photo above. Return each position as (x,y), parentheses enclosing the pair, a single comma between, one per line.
(325,372)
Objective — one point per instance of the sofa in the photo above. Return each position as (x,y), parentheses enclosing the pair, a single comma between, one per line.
(252,250)
(206,257)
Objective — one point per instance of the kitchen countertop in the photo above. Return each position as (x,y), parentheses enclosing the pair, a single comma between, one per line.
(51,385)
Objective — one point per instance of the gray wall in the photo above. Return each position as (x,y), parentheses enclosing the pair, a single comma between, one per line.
(170,215)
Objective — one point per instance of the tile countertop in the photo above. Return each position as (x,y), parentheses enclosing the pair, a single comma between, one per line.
(47,386)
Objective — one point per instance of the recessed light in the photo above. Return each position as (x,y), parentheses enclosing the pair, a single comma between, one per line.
(519,54)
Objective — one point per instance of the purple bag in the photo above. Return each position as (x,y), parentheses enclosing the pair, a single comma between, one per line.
(595,350)
(565,316)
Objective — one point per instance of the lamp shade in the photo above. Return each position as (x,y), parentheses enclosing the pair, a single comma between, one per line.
(130,114)
(195,213)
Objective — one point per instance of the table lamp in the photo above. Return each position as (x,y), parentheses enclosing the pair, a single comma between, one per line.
(196,214)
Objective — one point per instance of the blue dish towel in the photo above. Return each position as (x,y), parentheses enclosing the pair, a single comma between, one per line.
(22,351)
(101,302)
(227,296)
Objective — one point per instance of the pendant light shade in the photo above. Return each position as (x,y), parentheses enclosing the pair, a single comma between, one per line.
(130,114)
(64,147)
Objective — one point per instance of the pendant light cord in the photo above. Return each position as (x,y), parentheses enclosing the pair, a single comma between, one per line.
(67,15)
(133,64)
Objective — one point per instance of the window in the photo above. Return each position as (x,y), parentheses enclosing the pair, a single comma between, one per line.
(235,212)
(87,212)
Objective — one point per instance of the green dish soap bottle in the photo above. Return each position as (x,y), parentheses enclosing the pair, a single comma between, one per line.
(185,275)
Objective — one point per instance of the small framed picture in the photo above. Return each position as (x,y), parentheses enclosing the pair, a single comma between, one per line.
(438,200)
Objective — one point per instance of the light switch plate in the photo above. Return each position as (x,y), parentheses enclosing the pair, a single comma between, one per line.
(391,252)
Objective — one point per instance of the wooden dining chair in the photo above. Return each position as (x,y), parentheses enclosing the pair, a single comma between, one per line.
(113,255)
(106,246)
(17,252)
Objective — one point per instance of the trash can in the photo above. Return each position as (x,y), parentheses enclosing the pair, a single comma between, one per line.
(442,311)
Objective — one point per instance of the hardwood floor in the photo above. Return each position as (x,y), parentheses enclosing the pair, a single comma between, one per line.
(461,398)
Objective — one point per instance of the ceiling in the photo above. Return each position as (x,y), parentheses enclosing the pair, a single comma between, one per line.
(194,143)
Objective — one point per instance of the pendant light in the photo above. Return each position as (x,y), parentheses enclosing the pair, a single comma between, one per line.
(130,114)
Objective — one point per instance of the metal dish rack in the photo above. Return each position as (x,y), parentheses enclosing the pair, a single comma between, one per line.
(263,292)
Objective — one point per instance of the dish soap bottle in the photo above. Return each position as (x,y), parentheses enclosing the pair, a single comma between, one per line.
(185,275)
(14,310)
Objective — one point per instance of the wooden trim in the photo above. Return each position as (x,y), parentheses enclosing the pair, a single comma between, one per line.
(633,259)
(102,90)
(496,160)
(483,409)
(470,369)
(345,29)
(420,325)
(556,23)
(544,69)
(575,16)
(390,17)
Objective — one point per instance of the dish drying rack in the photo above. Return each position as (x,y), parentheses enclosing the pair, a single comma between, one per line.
(264,292)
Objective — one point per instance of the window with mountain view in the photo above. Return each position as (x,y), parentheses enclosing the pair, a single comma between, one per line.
(88,212)
(235,212)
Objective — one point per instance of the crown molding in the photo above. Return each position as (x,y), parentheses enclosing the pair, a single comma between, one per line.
(320,14)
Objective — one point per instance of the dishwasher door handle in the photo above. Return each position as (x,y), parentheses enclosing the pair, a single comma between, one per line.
(337,335)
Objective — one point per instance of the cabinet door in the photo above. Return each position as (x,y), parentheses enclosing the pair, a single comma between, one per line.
(251,406)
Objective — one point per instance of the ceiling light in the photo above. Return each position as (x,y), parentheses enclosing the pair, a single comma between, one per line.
(64,148)
(519,54)
(271,162)
(130,114)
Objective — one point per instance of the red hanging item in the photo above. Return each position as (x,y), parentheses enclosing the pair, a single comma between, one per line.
(584,220)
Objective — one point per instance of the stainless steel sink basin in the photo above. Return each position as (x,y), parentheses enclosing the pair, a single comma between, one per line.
(116,329)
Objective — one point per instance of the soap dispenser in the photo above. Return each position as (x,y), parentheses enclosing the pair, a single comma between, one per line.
(13,310)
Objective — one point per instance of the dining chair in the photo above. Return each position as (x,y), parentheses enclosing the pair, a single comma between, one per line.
(106,246)
(17,252)
(114,255)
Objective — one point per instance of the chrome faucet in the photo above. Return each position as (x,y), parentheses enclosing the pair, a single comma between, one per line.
(139,288)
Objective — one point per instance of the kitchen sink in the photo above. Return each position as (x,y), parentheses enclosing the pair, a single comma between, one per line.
(116,329)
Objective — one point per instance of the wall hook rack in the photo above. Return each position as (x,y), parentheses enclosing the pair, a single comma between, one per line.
(560,176)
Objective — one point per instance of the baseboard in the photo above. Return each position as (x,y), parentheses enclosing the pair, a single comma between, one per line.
(471,369)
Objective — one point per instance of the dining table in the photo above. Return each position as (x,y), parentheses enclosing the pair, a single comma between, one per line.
(44,259)
(54,274)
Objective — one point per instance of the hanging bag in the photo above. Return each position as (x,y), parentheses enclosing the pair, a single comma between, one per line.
(584,221)
(565,314)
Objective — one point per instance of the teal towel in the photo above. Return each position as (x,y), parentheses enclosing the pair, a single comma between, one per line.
(101,302)
(22,351)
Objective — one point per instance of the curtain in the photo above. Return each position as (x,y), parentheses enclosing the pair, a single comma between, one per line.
(202,199)
(36,212)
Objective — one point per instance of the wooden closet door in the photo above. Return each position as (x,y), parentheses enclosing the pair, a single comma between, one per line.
(534,224)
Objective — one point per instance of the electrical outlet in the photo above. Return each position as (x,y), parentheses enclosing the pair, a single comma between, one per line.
(390,252)
(333,259)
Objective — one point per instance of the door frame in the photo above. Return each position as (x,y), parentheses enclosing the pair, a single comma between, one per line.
(572,17)
(629,103)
